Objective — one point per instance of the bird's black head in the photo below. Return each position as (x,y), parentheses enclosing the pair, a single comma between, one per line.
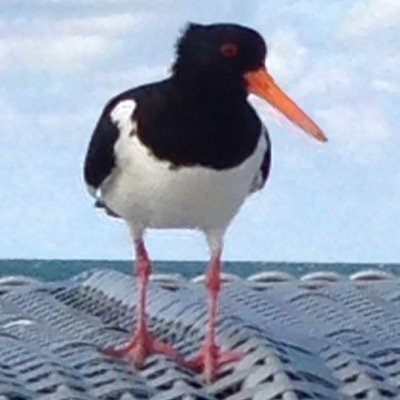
(218,55)
(227,61)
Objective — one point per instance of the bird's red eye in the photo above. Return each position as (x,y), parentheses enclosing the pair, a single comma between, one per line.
(228,49)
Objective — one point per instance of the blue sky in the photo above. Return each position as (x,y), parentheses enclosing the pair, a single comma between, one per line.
(61,60)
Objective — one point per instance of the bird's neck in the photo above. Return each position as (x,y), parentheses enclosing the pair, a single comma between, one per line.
(205,85)
(199,126)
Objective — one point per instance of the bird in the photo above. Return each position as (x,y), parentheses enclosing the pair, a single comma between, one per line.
(185,153)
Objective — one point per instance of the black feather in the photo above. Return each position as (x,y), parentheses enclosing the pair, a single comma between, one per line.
(100,158)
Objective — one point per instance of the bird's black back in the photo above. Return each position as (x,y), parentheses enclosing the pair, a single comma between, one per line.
(182,127)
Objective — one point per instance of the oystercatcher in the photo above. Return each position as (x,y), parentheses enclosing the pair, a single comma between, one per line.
(186,152)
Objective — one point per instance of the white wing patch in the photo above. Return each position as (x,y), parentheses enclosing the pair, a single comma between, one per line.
(121,114)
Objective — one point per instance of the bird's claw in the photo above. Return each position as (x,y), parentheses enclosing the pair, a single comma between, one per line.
(209,358)
(142,344)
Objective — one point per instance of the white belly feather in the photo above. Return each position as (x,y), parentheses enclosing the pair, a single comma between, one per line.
(148,193)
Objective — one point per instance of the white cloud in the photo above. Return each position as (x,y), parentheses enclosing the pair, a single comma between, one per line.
(388,68)
(4,55)
(64,44)
(385,86)
(110,82)
(110,25)
(55,53)
(287,56)
(370,16)
(327,84)
(357,129)
(370,35)
(9,117)
(57,3)
(68,124)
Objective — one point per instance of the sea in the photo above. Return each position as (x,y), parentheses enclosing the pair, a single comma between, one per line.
(53,270)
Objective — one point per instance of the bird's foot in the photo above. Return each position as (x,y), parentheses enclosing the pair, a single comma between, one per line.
(141,345)
(209,358)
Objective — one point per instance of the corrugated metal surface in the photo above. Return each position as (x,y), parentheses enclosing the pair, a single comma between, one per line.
(322,337)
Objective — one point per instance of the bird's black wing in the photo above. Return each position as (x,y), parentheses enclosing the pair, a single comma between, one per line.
(266,164)
(263,173)
(100,159)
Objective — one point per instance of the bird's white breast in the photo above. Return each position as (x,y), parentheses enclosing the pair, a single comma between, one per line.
(150,192)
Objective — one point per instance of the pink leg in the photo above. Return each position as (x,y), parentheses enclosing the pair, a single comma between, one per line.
(210,356)
(142,342)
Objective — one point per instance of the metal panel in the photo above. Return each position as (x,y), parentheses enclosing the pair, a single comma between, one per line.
(322,337)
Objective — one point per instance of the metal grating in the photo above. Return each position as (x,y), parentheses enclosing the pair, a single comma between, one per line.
(322,337)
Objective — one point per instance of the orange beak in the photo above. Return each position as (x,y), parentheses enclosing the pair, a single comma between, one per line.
(261,83)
